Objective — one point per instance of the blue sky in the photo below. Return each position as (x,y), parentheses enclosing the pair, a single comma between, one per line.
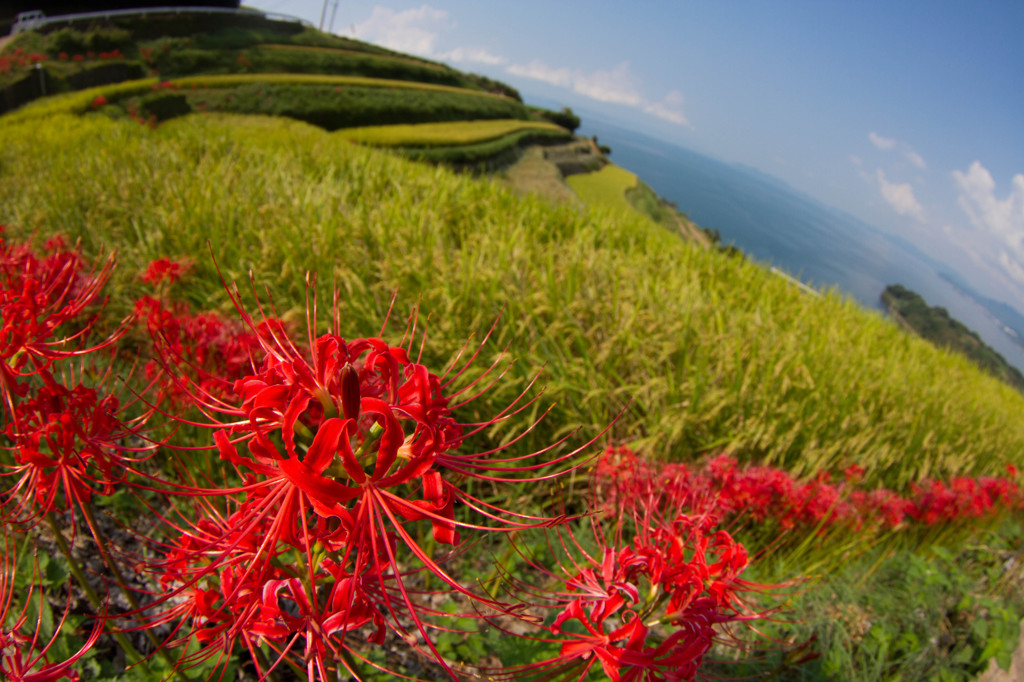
(909,115)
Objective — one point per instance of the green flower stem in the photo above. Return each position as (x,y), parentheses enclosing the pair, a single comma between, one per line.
(268,674)
(101,545)
(90,593)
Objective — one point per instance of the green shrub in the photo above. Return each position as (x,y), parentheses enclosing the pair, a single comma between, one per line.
(189,24)
(165,105)
(490,85)
(173,63)
(565,118)
(485,155)
(68,40)
(189,61)
(337,107)
(234,38)
(95,39)
(282,59)
(104,73)
(109,39)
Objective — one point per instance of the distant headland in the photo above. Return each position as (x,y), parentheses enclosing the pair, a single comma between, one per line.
(935,325)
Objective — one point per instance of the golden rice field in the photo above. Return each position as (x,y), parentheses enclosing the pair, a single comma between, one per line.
(606,187)
(442,134)
(692,351)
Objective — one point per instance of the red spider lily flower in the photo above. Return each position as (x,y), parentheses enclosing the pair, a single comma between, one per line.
(347,444)
(212,351)
(66,448)
(23,660)
(879,507)
(648,609)
(100,101)
(43,301)
(24,655)
(854,473)
(271,606)
(164,269)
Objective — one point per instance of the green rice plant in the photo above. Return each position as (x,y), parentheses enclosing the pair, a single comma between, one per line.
(231,80)
(606,187)
(703,352)
(444,134)
(76,102)
(491,154)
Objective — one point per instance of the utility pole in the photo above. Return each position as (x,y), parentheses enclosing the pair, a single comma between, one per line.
(323,15)
(334,13)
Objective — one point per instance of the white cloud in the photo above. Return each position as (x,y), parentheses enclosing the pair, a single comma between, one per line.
(914,158)
(883,143)
(540,71)
(411,30)
(670,109)
(888,144)
(977,198)
(900,196)
(618,86)
(1012,267)
(471,54)
(416,31)
(1003,218)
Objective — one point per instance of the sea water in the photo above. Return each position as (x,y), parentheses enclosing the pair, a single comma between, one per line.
(773,223)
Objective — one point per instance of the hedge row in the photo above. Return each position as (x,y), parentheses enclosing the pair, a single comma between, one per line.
(337,107)
(486,155)
(190,61)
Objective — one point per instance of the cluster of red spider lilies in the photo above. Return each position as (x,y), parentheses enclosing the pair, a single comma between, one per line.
(19,59)
(295,499)
(728,491)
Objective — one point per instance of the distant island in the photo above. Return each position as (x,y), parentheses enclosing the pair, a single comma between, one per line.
(935,325)
(1004,315)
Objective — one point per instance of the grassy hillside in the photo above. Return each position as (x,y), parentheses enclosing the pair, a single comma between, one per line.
(250,65)
(706,352)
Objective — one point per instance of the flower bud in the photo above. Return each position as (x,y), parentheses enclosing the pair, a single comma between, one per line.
(350,391)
